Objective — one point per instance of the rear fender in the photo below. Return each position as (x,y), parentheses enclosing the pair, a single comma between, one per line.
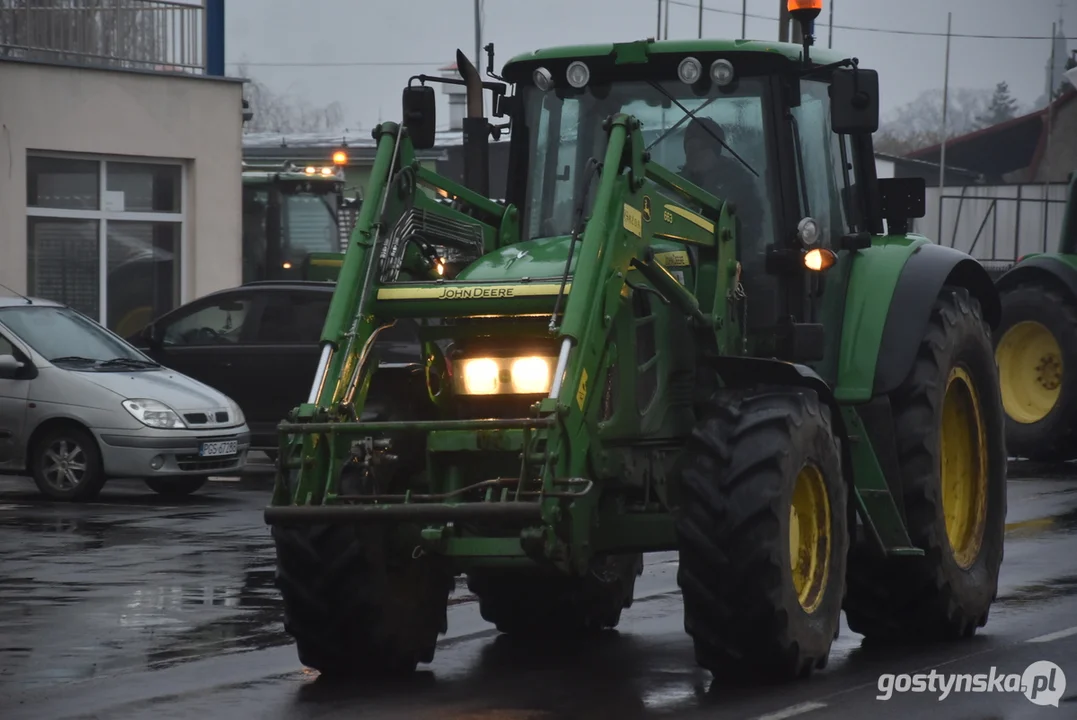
(891,290)
(1058,271)
(929,268)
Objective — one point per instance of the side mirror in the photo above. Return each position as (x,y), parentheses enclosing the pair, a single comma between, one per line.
(9,366)
(420,115)
(854,102)
(151,334)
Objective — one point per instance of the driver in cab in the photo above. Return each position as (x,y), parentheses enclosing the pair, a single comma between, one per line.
(722,175)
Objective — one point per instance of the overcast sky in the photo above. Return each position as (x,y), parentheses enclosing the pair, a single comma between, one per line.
(316,50)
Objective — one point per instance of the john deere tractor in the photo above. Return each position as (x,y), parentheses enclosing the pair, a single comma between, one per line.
(1036,347)
(788,388)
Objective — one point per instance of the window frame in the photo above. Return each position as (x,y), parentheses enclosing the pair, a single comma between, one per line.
(103,216)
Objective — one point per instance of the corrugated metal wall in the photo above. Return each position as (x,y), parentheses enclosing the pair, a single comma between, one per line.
(995,222)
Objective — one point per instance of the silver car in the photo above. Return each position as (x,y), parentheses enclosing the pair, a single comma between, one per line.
(79,405)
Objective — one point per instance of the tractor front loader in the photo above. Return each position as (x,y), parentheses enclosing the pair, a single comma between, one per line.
(630,356)
(1036,347)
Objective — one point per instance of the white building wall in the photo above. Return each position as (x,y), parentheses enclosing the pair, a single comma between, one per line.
(984,220)
(884,168)
(194,122)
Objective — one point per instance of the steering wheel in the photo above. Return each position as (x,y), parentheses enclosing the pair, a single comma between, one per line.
(204,335)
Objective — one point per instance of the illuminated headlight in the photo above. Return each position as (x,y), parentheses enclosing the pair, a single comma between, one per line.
(689,71)
(578,74)
(505,376)
(152,413)
(543,79)
(721,72)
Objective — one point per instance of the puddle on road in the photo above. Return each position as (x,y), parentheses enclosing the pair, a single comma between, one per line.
(1037,593)
(1065,523)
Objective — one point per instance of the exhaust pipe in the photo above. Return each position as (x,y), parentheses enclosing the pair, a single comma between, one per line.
(476,130)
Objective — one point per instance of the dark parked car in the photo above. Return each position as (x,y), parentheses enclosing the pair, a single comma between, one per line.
(258,344)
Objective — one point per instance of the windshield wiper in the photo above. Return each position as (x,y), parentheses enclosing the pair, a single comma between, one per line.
(680,122)
(690,114)
(129,362)
(73,358)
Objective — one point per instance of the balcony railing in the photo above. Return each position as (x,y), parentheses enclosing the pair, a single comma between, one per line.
(163,35)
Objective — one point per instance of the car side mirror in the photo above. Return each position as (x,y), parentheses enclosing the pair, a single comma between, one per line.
(854,102)
(152,335)
(10,366)
(420,115)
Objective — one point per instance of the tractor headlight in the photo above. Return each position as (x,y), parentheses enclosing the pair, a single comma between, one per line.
(542,78)
(578,74)
(689,71)
(721,72)
(529,375)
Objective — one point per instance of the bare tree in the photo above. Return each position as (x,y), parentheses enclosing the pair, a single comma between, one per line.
(276,112)
(918,124)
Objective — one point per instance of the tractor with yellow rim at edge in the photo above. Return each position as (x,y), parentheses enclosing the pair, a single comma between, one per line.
(763,371)
(1036,347)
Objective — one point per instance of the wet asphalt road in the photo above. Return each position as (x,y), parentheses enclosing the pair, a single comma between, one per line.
(137,607)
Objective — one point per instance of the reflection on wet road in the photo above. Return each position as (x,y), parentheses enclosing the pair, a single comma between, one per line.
(136,606)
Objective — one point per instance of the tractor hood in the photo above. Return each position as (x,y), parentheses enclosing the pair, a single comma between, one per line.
(539,258)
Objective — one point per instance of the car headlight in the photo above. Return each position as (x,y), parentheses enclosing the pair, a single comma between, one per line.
(529,375)
(236,412)
(152,413)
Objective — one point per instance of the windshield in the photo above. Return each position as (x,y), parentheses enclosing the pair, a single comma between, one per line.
(566,130)
(308,225)
(62,334)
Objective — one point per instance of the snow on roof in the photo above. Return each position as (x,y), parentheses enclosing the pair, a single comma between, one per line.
(442,138)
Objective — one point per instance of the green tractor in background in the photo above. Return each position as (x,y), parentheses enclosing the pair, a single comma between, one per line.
(1036,347)
(292,221)
(788,388)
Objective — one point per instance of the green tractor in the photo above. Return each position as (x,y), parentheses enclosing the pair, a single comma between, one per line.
(617,360)
(291,221)
(1036,345)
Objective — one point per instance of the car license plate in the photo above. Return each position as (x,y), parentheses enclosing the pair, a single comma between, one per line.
(218,448)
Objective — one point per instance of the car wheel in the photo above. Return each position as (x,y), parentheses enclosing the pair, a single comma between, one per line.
(66,465)
(176,487)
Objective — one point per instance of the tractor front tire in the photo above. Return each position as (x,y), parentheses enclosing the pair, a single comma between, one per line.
(354,608)
(529,604)
(762,530)
(1036,354)
(948,419)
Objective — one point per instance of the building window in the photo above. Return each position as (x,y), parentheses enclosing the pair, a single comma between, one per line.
(106,237)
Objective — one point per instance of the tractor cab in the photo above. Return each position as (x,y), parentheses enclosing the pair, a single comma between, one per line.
(291,217)
(783,132)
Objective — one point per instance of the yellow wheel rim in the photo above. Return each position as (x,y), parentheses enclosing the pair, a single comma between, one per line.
(963,447)
(1029,363)
(809,537)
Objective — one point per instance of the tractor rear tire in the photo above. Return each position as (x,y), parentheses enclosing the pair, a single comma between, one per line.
(1036,354)
(528,604)
(762,530)
(350,611)
(949,424)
